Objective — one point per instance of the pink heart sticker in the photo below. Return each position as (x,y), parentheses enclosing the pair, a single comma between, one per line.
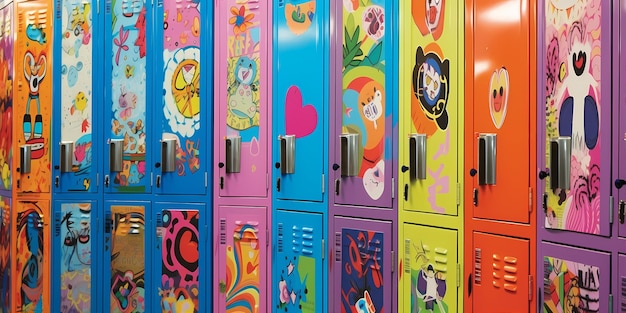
(300,120)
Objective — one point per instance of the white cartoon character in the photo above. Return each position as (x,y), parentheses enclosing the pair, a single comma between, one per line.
(34,72)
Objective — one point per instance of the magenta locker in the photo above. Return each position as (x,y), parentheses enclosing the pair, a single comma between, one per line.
(241,146)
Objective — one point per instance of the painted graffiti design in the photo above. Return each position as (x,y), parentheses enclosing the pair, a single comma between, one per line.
(179,290)
(242,285)
(128,260)
(431,87)
(428,285)
(573,109)
(29,257)
(129,92)
(428,15)
(499,96)
(181,86)
(5,255)
(299,15)
(571,287)
(6,96)
(75,236)
(296,284)
(362,271)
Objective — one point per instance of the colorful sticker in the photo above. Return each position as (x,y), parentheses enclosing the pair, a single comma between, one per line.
(296,284)
(6,96)
(570,287)
(29,258)
(428,283)
(362,288)
(573,72)
(499,96)
(76,87)
(431,87)
(180,284)
(429,15)
(243,281)
(128,260)
(299,15)
(75,242)
(5,255)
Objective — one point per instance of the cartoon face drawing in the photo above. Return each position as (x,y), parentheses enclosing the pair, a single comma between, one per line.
(431,86)
(499,96)
(428,16)
(434,10)
(245,71)
(372,102)
(563,4)
(374,180)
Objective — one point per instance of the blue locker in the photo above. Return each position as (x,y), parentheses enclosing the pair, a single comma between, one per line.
(74,257)
(300,112)
(300,271)
(179,262)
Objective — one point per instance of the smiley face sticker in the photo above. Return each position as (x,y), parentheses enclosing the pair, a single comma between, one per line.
(499,96)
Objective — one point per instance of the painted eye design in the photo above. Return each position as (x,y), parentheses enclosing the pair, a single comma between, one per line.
(428,80)
(436,85)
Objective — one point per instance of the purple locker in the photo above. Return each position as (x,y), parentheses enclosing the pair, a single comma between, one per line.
(621,281)
(620,140)
(241,262)
(362,266)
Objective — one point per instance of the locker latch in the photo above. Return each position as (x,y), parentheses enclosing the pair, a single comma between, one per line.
(544,203)
(337,183)
(475,197)
(278,184)
(622,213)
(406,192)
(221,182)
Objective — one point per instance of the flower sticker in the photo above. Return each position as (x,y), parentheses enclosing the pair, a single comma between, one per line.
(240,20)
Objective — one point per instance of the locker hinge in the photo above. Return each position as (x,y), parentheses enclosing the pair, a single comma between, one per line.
(458,275)
(458,194)
(323,187)
(206,179)
(611,213)
(530,287)
(530,199)
(98,6)
(323,250)
(393,188)
(393,261)
(611,303)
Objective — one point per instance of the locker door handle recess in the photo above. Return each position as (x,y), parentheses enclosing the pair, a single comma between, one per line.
(487,159)
(622,211)
(168,155)
(233,154)
(349,154)
(417,156)
(287,154)
(25,159)
(116,150)
(560,162)
(67,151)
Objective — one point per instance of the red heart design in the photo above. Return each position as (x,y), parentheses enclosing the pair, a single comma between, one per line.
(300,120)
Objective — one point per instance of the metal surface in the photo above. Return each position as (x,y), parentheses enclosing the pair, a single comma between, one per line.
(287,154)
(116,148)
(67,152)
(417,150)
(25,159)
(233,154)
(349,154)
(487,159)
(168,155)
(560,162)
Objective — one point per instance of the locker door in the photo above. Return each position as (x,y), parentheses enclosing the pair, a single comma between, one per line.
(299,261)
(128,78)
(5,255)
(6,97)
(300,95)
(32,257)
(575,280)
(242,260)
(501,274)
(125,258)
(621,281)
(431,106)
(578,106)
(181,123)
(366,114)
(74,263)
(242,96)
(179,260)
(430,269)
(363,270)
(75,49)
(502,76)
(33,68)
(620,139)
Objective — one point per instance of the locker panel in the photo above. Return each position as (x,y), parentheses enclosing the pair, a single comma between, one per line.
(363,268)
(74,103)
(242,260)
(180,117)
(125,249)
(74,264)
(242,94)
(128,77)
(6,98)
(620,138)
(297,277)
(5,255)
(501,75)
(33,57)
(621,282)
(300,76)
(180,258)
(432,105)
(31,274)
(577,39)
(575,280)
(430,269)
(501,273)
(366,110)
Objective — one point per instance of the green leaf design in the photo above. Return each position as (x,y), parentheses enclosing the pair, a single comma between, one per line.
(376,53)
(352,47)
(350,23)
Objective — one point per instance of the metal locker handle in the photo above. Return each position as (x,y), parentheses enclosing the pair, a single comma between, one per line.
(560,162)
(417,156)
(25,159)
(168,155)
(287,154)
(487,159)
(67,151)
(116,151)
(233,154)
(349,154)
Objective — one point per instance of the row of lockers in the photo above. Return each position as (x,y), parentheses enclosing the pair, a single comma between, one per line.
(280,199)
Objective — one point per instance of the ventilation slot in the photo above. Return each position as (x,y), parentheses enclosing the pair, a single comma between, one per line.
(478,256)
(441,260)
(280,237)
(337,246)
(57,223)
(222,231)
(375,251)
(58,9)
(307,240)
(504,272)
(407,256)
(546,278)
(623,295)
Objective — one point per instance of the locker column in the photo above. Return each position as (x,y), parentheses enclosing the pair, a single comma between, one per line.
(619,162)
